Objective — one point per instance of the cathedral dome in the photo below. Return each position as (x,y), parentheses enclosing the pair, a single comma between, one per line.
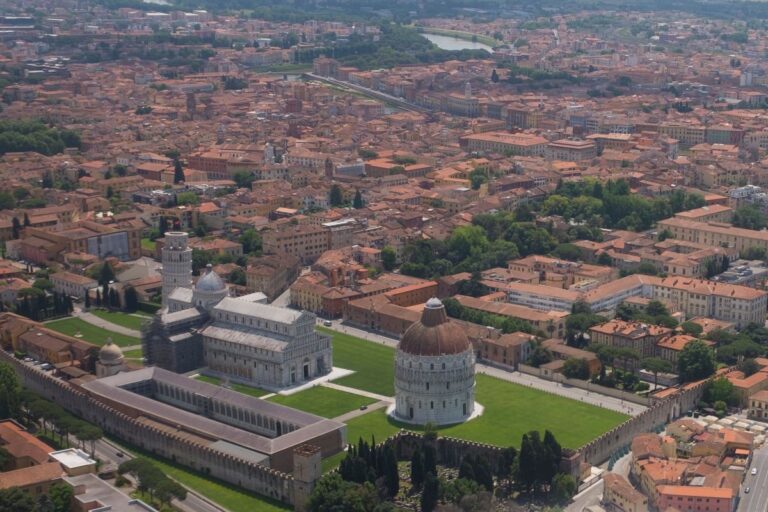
(210,282)
(110,353)
(433,334)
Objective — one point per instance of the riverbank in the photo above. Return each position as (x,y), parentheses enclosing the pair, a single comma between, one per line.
(458,34)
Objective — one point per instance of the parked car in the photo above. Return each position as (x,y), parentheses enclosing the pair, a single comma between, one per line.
(754,471)
(327,323)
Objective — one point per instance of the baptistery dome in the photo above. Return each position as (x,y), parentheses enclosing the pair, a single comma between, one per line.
(434,371)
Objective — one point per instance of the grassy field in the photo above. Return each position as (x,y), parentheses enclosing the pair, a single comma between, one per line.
(228,496)
(128,320)
(511,410)
(134,354)
(373,364)
(322,401)
(91,333)
(240,388)
(148,244)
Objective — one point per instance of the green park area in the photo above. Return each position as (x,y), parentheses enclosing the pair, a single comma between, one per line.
(230,497)
(127,320)
(323,401)
(372,363)
(91,333)
(510,409)
(240,388)
(148,245)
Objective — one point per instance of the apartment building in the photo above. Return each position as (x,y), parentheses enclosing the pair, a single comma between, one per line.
(562,273)
(271,274)
(696,297)
(121,240)
(688,498)
(305,242)
(522,144)
(571,150)
(635,335)
(714,233)
(550,322)
(73,285)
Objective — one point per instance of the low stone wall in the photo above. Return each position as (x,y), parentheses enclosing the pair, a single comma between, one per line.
(163,440)
(588,386)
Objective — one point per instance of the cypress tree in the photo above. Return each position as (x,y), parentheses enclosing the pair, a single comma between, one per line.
(178,172)
(417,468)
(430,462)
(391,476)
(98,297)
(26,220)
(430,493)
(16,228)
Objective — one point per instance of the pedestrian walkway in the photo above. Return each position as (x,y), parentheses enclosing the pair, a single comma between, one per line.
(359,412)
(356,391)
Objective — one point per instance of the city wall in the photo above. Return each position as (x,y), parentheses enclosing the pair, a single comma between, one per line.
(160,439)
(595,388)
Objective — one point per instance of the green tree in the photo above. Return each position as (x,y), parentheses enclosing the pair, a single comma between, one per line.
(749,367)
(7,202)
(336,196)
(131,299)
(391,476)
(430,493)
(178,172)
(692,328)
(15,228)
(61,496)
(388,258)
(44,504)
(5,459)
(721,390)
(749,217)
(332,494)
(563,487)
(16,500)
(243,179)
(251,241)
(417,468)
(494,76)
(357,203)
(575,368)
(695,362)
(187,198)
(237,276)
(106,274)
(656,365)
(567,252)
(9,392)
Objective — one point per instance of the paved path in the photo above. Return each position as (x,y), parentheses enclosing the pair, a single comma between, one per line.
(356,391)
(100,322)
(582,395)
(359,412)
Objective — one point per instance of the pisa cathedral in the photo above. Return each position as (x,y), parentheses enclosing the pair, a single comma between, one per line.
(238,338)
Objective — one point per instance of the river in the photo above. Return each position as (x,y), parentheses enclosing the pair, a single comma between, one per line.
(454,43)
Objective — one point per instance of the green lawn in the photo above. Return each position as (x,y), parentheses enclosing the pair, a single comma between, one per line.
(240,388)
(373,363)
(228,496)
(128,320)
(134,354)
(210,380)
(91,333)
(148,244)
(323,401)
(510,411)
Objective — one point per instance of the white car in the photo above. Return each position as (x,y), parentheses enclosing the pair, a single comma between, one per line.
(754,471)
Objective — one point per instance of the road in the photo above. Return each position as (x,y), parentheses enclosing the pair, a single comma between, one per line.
(594,494)
(523,379)
(107,453)
(757,498)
